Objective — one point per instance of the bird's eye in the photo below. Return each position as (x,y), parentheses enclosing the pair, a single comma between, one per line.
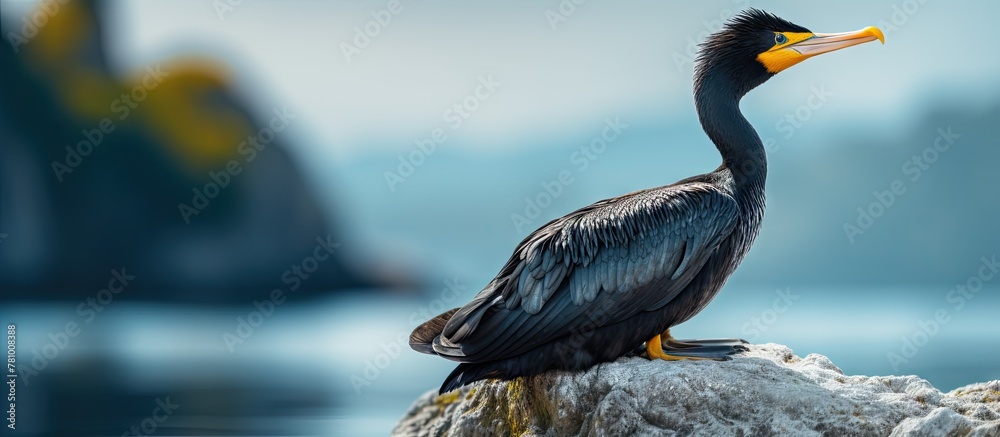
(780,38)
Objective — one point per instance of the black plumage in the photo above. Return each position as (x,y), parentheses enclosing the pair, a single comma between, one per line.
(595,284)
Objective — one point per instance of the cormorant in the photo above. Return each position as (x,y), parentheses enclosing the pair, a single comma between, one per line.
(595,284)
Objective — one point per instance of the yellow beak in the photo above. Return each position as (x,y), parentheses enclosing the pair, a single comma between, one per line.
(782,57)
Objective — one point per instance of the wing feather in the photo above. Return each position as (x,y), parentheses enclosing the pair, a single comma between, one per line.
(629,254)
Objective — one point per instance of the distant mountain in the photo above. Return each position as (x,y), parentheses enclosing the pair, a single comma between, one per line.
(929,199)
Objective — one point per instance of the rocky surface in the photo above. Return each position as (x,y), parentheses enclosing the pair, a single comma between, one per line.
(766,391)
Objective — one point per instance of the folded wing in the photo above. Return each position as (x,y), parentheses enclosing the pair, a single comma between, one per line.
(599,265)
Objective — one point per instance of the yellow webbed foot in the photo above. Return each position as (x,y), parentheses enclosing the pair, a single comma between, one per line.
(654,348)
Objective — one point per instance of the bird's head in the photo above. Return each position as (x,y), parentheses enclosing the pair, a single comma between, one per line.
(755,45)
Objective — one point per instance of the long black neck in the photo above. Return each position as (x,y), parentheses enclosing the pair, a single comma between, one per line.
(717,99)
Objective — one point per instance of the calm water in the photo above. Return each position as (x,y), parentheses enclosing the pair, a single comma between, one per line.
(341,366)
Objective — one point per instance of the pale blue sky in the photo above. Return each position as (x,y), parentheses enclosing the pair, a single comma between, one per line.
(606,57)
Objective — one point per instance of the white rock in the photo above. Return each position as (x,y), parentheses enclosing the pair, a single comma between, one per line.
(766,391)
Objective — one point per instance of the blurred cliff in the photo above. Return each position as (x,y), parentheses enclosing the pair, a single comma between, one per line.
(164,175)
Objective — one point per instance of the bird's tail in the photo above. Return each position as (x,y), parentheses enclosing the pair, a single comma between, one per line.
(422,338)
(467,373)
